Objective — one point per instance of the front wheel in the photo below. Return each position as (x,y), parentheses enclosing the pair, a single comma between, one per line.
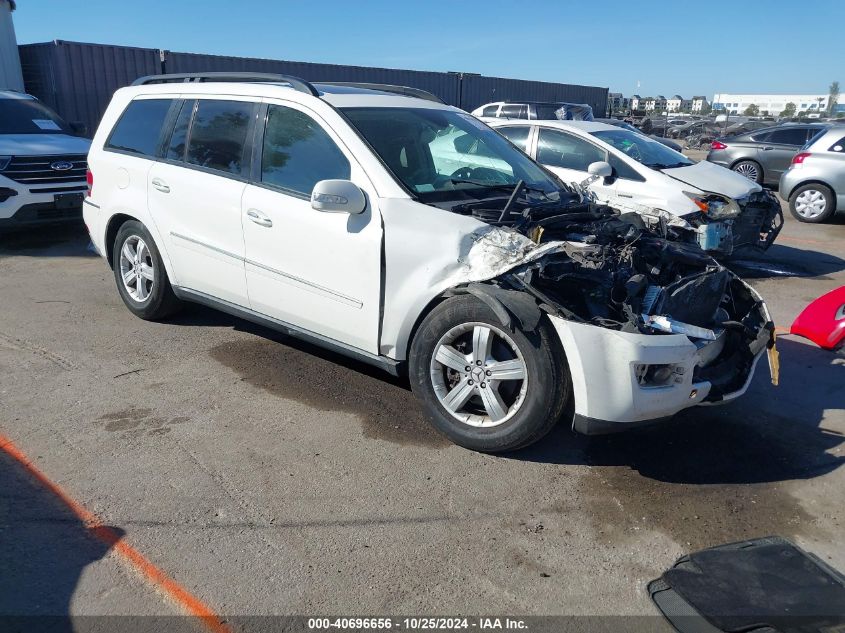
(487,387)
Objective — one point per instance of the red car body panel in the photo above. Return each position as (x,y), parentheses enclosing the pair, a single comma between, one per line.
(823,321)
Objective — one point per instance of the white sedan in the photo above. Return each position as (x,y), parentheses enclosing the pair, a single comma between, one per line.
(725,211)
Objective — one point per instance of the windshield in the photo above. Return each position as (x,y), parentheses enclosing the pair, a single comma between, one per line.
(443,154)
(28,116)
(643,149)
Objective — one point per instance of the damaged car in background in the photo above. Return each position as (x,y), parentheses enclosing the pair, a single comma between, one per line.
(693,201)
(443,252)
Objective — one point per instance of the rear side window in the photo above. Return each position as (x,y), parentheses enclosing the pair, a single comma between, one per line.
(298,153)
(838,146)
(489,111)
(139,129)
(514,111)
(518,135)
(789,136)
(218,135)
(178,140)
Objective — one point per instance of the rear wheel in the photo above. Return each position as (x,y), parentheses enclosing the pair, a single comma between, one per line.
(487,387)
(140,275)
(749,169)
(812,203)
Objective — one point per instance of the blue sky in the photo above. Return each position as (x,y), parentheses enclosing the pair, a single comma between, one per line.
(765,46)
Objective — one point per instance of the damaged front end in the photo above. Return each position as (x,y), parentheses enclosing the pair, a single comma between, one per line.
(649,326)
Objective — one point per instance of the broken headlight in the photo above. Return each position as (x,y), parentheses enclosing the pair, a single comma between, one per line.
(715,207)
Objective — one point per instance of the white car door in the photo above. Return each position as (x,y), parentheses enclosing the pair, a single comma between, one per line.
(318,271)
(195,196)
(569,156)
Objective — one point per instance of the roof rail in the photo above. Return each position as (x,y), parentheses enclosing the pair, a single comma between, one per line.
(296,83)
(406,91)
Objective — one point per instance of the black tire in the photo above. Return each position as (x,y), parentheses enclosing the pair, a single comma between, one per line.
(548,386)
(160,302)
(829,203)
(746,167)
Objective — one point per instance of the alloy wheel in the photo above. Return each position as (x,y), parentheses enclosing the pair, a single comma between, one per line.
(479,375)
(749,170)
(136,268)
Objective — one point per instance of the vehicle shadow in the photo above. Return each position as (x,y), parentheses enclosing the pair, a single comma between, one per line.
(200,316)
(784,261)
(771,434)
(54,241)
(44,549)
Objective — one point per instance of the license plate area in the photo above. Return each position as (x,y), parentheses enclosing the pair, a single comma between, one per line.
(68,200)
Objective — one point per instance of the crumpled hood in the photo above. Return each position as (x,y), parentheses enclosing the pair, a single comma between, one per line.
(42,144)
(714,179)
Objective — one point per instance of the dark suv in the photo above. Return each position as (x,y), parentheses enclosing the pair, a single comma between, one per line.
(763,155)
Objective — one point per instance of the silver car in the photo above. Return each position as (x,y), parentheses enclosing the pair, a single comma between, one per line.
(763,155)
(814,184)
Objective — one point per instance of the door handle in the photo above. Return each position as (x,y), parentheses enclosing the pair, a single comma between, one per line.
(767,148)
(159,184)
(259,218)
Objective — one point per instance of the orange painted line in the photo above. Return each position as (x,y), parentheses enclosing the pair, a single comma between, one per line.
(192,605)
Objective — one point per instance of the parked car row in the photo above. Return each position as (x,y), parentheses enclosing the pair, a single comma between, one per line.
(448,254)
(805,161)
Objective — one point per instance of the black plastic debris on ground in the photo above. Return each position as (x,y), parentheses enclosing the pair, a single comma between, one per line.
(765,585)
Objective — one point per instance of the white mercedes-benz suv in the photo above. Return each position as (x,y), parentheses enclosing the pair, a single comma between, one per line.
(42,164)
(369,220)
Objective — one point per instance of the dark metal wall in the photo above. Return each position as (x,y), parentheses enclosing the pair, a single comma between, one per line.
(77,79)
(444,85)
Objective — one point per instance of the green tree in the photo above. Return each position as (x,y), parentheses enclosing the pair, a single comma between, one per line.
(752,110)
(789,110)
(706,109)
(833,97)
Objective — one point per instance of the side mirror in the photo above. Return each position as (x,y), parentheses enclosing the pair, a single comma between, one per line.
(600,168)
(338,196)
(78,128)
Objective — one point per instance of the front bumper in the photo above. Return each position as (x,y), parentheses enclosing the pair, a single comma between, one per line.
(608,395)
(23,206)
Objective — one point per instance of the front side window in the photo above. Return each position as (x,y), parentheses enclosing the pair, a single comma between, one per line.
(559,149)
(516,134)
(643,149)
(218,135)
(623,170)
(28,116)
(139,129)
(298,153)
(441,155)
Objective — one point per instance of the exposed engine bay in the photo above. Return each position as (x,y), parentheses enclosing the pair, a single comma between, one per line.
(591,264)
